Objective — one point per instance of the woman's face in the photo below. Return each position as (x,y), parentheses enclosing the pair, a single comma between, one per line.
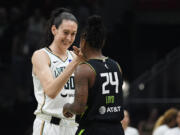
(65,34)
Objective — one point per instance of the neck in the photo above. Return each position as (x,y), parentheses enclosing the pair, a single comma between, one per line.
(93,54)
(58,50)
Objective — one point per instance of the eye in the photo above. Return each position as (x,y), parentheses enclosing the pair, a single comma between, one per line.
(66,32)
(73,34)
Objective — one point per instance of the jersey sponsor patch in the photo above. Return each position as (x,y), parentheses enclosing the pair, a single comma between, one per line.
(102,110)
(111,109)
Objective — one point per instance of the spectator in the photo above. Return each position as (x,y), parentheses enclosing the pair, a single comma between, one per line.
(128,130)
(175,130)
(146,126)
(165,122)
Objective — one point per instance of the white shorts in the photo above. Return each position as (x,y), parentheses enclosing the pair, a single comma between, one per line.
(42,127)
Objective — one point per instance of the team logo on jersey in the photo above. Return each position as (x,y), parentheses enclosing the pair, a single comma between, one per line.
(58,71)
(102,110)
(106,66)
(55,61)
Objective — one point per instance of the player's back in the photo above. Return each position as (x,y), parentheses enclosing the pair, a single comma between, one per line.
(105,98)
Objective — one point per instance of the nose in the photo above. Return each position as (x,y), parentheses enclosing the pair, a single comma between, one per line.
(69,37)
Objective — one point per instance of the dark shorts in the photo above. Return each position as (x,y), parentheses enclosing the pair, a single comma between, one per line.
(100,129)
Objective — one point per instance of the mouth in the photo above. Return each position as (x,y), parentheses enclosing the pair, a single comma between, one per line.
(66,43)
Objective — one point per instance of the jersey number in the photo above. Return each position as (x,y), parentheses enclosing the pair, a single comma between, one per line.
(109,80)
(70,83)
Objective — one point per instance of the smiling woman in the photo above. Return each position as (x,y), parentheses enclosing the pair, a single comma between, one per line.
(53,77)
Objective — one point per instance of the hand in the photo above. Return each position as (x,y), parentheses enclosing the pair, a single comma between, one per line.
(66,113)
(79,53)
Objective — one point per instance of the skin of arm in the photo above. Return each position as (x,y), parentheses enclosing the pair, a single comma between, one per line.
(84,79)
(51,86)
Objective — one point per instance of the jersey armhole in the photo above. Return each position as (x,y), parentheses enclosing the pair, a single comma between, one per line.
(120,69)
(46,50)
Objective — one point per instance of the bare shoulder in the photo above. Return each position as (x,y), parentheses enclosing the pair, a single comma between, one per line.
(39,55)
(40,61)
(85,72)
(84,69)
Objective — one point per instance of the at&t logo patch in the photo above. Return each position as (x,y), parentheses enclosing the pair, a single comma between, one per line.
(102,110)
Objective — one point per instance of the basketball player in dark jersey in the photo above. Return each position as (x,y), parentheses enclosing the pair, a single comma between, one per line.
(98,103)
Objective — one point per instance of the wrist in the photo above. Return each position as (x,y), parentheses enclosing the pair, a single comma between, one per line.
(77,60)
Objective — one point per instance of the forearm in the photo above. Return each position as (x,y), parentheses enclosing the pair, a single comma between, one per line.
(56,85)
(75,108)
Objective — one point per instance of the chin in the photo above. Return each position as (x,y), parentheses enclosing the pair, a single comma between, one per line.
(67,45)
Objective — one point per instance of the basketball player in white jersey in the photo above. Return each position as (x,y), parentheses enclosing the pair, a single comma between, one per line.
(53,77)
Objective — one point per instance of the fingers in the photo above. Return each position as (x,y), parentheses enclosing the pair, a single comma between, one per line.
(68,115)
(76,50)
(79,53)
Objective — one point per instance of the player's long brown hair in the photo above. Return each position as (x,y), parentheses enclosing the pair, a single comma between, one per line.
(166,118)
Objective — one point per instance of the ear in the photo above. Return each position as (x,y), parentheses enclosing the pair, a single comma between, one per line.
(53,29)
(82,43)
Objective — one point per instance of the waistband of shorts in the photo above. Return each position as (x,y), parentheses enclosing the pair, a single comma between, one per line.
(57,121)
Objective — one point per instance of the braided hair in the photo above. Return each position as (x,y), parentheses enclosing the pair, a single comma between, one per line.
(94,33)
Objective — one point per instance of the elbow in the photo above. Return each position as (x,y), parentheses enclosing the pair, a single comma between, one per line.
(80,110)
(50,95)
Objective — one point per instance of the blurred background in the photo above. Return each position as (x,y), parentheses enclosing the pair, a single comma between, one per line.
(143,36)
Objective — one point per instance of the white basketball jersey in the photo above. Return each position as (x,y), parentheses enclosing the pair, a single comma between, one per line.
(54,106)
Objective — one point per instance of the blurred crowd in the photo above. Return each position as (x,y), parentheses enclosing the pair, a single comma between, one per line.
(167,123)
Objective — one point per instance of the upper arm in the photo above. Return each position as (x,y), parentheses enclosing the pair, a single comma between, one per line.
(83,79)
(41,62)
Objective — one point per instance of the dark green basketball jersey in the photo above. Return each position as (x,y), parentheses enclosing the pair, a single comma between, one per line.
(105,98)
